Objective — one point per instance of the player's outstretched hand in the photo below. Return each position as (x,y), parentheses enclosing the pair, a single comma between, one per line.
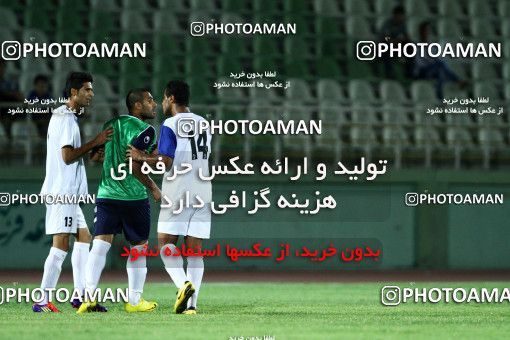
(103,137)
(97,154)
(134,153)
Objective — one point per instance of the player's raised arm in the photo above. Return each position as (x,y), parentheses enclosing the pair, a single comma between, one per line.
(71,154)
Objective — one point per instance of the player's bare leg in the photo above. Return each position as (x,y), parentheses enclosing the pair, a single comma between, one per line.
(83,235)
(166,239)
(61,241)
(174,267)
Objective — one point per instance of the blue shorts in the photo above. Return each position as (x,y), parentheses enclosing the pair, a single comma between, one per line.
(116,216)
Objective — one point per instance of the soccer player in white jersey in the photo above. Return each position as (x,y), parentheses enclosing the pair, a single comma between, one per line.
(194,224)
(65,175)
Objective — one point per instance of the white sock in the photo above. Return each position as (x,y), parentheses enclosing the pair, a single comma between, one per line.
(52,268)
(174,265)
(95,264)
(195,272)
(79,260)
(137,271)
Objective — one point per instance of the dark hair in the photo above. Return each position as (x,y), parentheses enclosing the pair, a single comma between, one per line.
(41,77)
(135,96)
(180,90)
(399,10)
(75,81)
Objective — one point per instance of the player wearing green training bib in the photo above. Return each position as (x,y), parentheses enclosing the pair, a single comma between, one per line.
(122,204)
(127,130)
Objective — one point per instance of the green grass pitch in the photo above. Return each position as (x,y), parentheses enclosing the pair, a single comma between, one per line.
(282,310)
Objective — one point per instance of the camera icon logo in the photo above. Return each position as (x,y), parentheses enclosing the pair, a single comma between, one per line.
(5,199)
(390,295)
(366,50)
(411,199)
(11,50)
(197,29)
(186,128)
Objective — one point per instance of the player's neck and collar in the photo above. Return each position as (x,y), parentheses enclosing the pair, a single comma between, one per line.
(71,105)
(138,116)
(180,109)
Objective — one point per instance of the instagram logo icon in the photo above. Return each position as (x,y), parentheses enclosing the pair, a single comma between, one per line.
(11,50)
(365,50)
(390,295)
(197,29)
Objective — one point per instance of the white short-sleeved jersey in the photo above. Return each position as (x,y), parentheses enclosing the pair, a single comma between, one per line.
(192,150)
(61,178)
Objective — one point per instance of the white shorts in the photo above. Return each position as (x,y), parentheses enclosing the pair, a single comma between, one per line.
(190,222)
(64,219)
